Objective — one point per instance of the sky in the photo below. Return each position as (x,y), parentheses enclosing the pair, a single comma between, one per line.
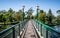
(45,5)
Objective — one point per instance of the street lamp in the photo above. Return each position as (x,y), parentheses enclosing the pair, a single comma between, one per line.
(23,12)
(37,7)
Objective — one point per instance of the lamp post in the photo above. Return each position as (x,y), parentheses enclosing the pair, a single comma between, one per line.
(37,7)
(23,12)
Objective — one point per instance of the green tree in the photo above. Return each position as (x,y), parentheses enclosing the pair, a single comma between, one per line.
(49,17)
(58,11)
(1,15)
(17,16)
(29,13)
(58,17)
(10,12)
(41,16)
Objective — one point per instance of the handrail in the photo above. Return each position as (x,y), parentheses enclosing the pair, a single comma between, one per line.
(47,30)
(2,32)
(13,28)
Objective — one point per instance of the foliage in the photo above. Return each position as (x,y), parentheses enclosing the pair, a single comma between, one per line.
(29,13)
(17,16)
(49,17)
(13,16)
(58,19)
(10,15)
(41,16)
(58,11)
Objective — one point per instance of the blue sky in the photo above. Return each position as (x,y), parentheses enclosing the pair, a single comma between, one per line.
(44,5)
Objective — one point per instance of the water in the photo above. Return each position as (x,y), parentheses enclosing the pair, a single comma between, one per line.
(57,27)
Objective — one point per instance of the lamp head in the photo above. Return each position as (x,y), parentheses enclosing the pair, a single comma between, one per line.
(37,7)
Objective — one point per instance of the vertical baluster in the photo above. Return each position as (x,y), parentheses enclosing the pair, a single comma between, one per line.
(19,29)
(35,24)
(41,29)
(13,32)
(46,32)
(38,26)
(22,24)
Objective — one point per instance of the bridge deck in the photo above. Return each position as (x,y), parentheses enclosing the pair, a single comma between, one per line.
(30,31)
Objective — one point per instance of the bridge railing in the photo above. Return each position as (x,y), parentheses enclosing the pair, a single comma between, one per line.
(13,31)
(45,30)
